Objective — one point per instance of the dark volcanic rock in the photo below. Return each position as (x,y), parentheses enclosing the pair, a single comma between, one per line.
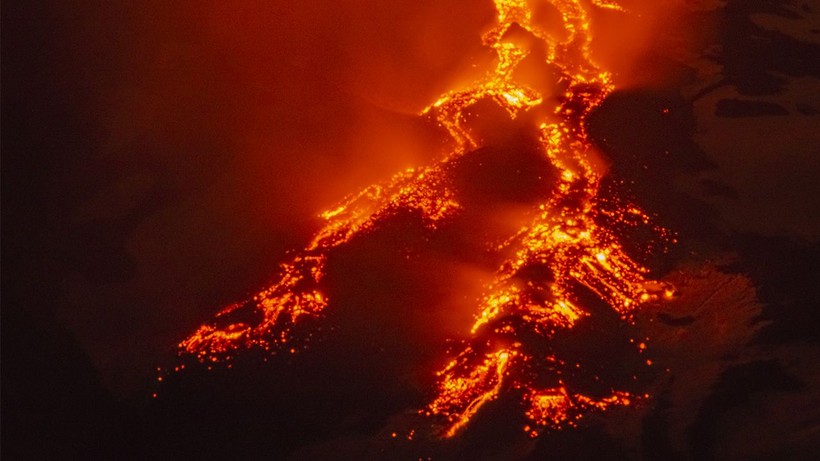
(742,108)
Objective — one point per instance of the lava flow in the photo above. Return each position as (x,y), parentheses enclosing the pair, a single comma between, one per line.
(571,243)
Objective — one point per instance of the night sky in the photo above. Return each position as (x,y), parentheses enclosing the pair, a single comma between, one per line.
(159,160)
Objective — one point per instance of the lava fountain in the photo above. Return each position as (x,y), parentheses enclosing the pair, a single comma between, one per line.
(568,255)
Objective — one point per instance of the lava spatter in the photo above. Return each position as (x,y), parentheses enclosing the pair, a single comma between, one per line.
(565,240)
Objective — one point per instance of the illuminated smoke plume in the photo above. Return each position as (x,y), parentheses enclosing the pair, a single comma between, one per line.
(568,255)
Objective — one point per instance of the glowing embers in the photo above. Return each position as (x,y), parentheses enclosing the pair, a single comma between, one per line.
(518,375)
(568,257)
(274,311)
(466,386)
(266,320)
(586,84)
(426,190)
(556,407)
(563,251)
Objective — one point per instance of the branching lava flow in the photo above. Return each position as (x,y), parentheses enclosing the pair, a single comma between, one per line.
(565,239)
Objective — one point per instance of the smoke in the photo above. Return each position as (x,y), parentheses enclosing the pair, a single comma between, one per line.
(639,45)
(224,128)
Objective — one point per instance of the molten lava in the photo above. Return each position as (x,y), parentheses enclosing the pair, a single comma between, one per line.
(565,241)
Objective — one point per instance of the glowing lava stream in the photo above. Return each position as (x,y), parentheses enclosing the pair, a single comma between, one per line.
(564,238)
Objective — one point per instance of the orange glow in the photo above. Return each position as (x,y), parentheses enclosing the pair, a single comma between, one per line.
(556,407)
(465,388)
(562,236)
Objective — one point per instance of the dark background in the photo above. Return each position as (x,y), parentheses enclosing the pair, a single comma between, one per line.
(159,159)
